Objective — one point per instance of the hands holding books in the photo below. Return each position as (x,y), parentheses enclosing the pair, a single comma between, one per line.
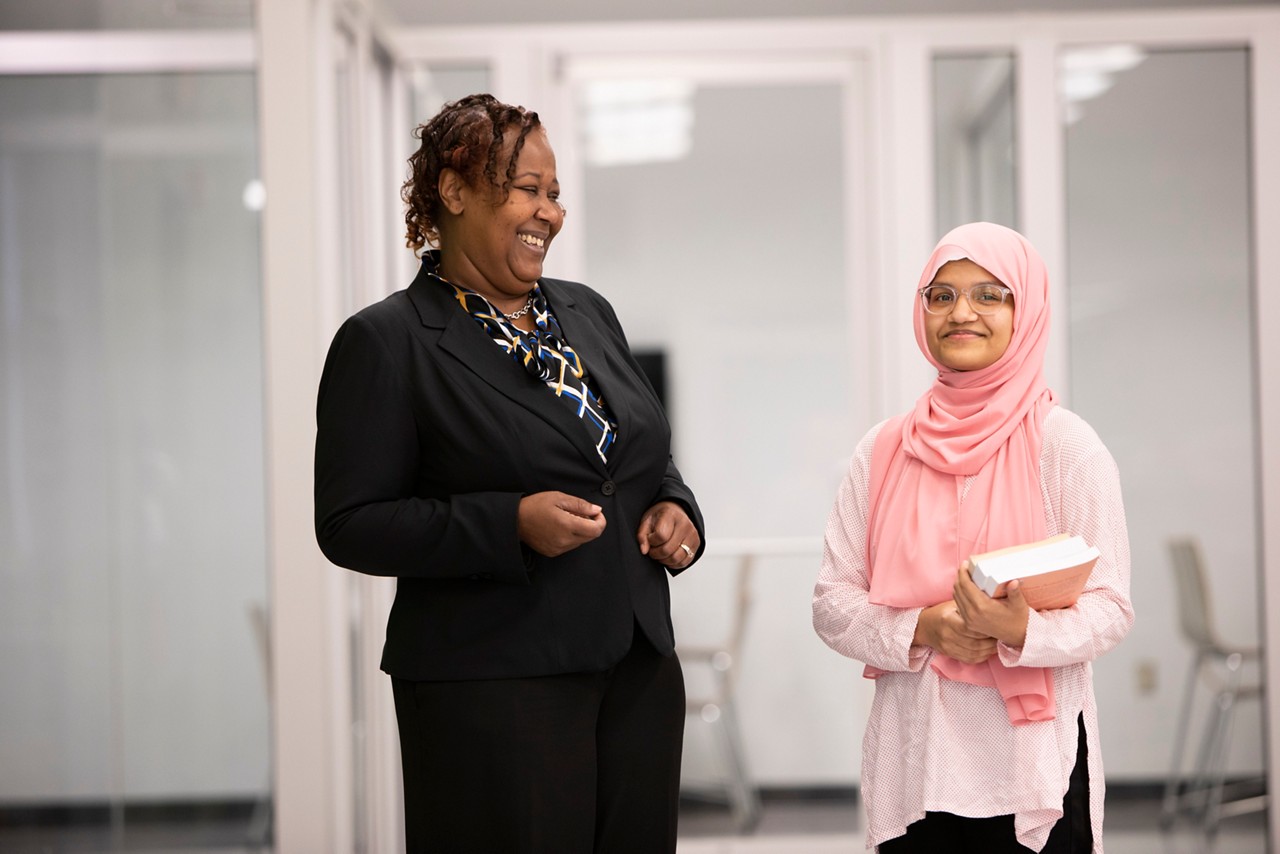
(943,628)
(967,627)
(994,604)
(1003,619)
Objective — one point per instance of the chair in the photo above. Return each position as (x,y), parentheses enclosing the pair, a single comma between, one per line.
(716,704)
(1220,665)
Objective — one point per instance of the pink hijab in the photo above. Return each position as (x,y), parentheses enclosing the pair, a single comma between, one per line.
(985,423)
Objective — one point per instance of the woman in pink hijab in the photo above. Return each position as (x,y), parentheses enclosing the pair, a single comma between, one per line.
(983,735)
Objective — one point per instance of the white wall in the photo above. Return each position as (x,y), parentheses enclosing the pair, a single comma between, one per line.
(502,12)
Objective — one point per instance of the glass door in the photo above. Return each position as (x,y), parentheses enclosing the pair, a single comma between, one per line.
(1158,216)
(1155,301)
(728,244)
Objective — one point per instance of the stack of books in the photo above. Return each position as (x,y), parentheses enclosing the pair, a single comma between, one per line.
(1051,573)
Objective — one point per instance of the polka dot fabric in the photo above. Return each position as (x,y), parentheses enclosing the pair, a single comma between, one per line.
(934,744)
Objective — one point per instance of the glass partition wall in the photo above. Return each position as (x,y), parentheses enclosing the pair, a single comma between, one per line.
(1155,298)
(1162,354)
(974,123)
(132,537)
(137,530)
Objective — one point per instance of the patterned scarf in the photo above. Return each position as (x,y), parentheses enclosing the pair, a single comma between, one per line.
(544,354)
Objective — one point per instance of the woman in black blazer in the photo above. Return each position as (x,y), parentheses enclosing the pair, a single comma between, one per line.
(487,437)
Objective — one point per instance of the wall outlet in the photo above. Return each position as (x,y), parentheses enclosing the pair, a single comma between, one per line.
(1145,676)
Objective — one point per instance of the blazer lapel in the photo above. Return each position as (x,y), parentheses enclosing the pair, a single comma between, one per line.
(463,339)
(583,333)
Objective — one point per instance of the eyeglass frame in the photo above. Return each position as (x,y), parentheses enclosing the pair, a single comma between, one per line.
(1005,293)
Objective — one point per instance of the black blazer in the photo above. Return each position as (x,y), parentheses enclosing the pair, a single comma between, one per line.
(428,437)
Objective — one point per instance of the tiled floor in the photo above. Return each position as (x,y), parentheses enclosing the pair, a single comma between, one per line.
(835,828)
(786,827)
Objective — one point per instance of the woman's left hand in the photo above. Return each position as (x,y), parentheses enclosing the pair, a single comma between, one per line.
(666,535)
(1004,619)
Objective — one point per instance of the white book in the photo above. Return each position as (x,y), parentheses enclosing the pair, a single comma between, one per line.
(1052,573)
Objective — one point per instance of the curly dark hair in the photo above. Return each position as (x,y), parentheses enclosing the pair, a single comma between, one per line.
(466,136)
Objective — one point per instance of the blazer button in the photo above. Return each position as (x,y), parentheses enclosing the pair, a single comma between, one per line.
(608,487)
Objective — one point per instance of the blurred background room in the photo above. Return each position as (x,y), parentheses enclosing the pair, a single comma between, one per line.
(195,193)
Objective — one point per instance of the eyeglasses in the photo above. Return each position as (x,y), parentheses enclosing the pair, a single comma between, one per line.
(984,299)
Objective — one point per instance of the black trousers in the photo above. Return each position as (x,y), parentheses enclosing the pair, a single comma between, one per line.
(569,764)
(944,833)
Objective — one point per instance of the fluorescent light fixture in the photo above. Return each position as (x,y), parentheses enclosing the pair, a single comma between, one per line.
(1084,85)
(1108,59)
(1085,73)
(633,121)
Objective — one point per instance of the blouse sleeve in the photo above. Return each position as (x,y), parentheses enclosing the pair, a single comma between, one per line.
(1082,486)
(878,635)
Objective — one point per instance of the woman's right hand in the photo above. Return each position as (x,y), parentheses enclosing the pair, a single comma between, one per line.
(942,628)
(552,523)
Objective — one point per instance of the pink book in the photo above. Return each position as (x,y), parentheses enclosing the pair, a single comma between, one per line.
(1052,572)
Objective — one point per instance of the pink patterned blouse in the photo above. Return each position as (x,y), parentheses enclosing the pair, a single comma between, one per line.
(932,744)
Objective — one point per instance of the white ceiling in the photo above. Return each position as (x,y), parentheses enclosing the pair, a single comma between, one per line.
(183,14)
(455,12)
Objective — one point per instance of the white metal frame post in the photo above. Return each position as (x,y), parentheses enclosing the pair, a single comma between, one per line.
(311,735)
(907,203)
(373,239)
(1042,203)
(1266,142)
(337,783)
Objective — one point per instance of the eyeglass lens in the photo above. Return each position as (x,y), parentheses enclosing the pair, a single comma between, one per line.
(984,299)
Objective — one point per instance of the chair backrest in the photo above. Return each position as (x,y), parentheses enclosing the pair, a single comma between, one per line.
(1194,612)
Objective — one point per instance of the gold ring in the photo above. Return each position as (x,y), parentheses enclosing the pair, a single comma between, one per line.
(688,551)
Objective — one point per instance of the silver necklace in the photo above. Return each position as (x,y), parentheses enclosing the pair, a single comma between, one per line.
(516,315)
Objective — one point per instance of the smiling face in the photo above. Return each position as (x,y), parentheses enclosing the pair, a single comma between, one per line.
(496,245)
(962,339)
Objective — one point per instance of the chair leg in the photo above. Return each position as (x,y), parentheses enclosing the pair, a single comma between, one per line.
(743,797)
(1172,788)
(1195,798)
(1226,703)
(1210,760)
